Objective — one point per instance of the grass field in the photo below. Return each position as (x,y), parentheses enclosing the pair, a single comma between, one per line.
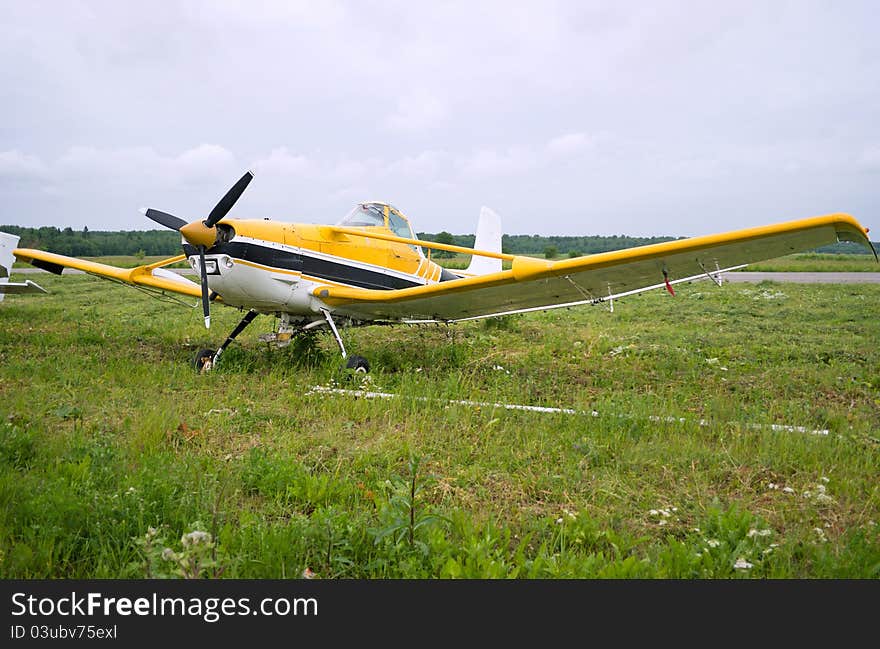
(113,452)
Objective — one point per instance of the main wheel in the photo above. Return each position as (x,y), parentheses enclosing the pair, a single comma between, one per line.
(203,360)
(358,364)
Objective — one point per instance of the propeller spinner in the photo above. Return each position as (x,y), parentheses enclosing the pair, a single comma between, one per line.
(203,234)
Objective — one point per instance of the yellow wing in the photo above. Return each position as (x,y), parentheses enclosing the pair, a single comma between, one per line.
(539,284)
(150,275)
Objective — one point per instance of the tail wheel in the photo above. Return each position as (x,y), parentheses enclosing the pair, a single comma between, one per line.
(358,364)
(203,360)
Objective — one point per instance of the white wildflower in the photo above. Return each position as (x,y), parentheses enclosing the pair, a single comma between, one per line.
(695,529)
(772,485)
(712,361)
(821,534)
(195,537)
(559,521)
(168,554)
(788,490)
(653,512)
(713,543)
(807,494)
(131,490)
(755,532)
(662,521)
(824,479)
(825,499)
(742,564)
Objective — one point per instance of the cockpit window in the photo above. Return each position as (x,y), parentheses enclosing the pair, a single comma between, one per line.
(365,214)
(399,225)
(373,214)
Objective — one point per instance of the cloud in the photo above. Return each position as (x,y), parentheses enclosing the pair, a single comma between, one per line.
(206,162)
(568,144)
(282,162)
(487,162)
(869,160)
(417,111)
(15,165)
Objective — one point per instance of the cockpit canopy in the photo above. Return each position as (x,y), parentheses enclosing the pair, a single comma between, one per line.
(380,215)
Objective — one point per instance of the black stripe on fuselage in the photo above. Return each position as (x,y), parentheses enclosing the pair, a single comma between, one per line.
(313,266)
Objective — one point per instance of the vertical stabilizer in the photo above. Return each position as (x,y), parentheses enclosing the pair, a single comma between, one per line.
(488,239)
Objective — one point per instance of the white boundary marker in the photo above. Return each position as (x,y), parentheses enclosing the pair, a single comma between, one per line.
(365,394)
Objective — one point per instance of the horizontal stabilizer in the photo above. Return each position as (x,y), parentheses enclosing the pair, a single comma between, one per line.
(18,288)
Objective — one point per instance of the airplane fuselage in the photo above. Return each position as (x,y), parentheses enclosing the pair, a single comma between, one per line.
(275,267)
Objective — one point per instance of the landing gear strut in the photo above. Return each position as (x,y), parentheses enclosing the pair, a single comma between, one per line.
(357,363)
(206,359)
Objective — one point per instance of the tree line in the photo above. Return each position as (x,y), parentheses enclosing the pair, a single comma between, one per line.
(88,243)
(97,243)
(575,246)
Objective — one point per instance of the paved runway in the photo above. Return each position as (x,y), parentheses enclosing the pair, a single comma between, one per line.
(734,278)
(804,278)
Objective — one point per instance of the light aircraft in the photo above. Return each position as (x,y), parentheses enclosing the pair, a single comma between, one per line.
(371,269)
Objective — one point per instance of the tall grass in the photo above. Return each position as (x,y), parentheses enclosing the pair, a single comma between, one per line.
(112,450)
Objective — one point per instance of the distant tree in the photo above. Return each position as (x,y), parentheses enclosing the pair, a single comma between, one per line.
(446,239)
(551,252)
(574,253)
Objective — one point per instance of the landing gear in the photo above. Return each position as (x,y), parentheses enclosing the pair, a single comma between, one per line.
(206,359)
(357,363)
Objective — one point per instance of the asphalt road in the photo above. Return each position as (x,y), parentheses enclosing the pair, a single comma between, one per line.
(733,278)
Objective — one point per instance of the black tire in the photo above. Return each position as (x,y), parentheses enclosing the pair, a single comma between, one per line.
(202,358)
(358,364)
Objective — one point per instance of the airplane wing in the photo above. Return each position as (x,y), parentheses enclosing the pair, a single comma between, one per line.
(533,284)
(150,275)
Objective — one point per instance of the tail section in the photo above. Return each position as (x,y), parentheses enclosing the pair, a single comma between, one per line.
(8,244)
(488,239)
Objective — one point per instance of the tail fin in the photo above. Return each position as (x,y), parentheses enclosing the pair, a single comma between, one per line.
(8,243)
(488,239)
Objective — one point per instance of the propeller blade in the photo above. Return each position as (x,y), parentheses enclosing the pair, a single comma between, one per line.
(168,220)
(206,299)
(222,208)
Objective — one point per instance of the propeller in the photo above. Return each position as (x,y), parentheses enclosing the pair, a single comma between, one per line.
(203,234)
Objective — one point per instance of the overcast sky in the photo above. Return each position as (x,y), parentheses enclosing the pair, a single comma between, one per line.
(641,118)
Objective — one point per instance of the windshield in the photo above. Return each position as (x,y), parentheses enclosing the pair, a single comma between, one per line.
(373,214)
(365,214)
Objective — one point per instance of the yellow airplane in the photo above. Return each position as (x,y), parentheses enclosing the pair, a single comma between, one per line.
(371,269)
